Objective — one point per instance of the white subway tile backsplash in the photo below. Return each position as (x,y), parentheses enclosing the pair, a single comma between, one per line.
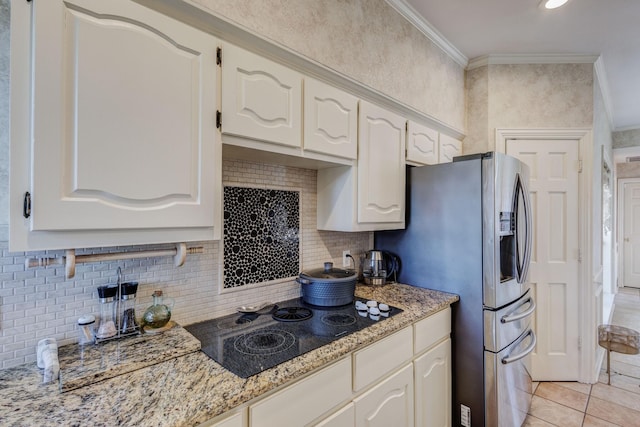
(41,303)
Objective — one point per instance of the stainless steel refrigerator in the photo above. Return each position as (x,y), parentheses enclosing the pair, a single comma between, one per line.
(469,232)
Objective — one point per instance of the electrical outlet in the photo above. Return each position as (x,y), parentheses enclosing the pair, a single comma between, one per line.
(465,416)
(346,261)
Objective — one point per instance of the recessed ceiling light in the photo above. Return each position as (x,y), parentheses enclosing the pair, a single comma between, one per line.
(552,4)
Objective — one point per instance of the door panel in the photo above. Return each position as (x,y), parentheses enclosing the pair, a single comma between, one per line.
(554,264)
(122,137)
(631,235)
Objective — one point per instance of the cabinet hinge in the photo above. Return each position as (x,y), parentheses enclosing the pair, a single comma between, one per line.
(579,343)
(579,255)
(579,166)
(26,206)
(219,119)
(219,56)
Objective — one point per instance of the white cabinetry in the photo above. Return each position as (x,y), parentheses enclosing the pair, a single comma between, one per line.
(433,387)
(124,148)
(426,146)
(260,99)
(369,196)
(330,120)
(345,417)
(306,400)
(432,370)
(422,144)
(389,403)
(381,165)
(449,148)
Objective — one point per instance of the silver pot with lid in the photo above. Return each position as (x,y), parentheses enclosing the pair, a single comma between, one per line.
(328,286)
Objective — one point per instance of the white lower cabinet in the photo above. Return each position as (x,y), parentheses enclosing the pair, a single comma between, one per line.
(389,403)
(306,400)
(433,387)
(235,420)
(345,417)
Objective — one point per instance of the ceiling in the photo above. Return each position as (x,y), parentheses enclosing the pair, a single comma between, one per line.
(609,29)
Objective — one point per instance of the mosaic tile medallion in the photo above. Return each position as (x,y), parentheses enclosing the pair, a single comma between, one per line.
(261,235)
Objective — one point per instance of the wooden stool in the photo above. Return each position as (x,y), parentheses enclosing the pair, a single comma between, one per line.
(618,339)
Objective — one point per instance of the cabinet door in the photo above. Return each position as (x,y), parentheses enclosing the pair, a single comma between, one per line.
(330,120)
(345,417)
(381,165)
(306,400)
(449,148)
(422,144)
(390,403)
(433,387)
(260,98)
(123,119)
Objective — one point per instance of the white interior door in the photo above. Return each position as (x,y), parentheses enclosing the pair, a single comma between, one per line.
(554,267)
(631,235)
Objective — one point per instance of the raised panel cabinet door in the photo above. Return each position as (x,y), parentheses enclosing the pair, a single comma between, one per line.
(449,148)
(123,119)
(422,144)
(433,387)
(345,417)
(381,165)
(260,98)
(389,403)
(330,120)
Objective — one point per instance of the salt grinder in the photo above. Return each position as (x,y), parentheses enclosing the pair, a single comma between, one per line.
(108,303)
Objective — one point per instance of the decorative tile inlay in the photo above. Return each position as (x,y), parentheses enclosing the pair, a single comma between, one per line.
(261,235)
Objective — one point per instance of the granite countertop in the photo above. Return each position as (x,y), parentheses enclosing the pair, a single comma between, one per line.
(192,388)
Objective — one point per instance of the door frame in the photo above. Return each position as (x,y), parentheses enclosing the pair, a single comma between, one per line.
(590,361)
(620,229)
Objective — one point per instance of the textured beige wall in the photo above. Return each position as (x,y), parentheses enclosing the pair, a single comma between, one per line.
(477,88)
(528,96)
(628,170)
(4,120)
(626,138)
(366,40)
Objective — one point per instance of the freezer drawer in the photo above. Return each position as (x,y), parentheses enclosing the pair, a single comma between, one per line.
(502,327)
(508,388)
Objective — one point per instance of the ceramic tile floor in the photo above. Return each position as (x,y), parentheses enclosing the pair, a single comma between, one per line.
(568,404)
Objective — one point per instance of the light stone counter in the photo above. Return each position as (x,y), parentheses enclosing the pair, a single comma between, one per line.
(190,389)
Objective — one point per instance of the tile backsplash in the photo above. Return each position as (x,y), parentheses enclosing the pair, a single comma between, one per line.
(261,235)
(40,303)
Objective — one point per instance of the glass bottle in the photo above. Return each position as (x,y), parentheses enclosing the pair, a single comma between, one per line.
(127,317)
(85,329)
(159,314)
(107,298)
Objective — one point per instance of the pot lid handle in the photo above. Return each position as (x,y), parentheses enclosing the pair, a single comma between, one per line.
(328,266)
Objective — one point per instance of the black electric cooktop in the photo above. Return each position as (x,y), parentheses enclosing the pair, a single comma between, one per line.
(247,344)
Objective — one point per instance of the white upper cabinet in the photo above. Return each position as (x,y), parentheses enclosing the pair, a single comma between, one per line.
(330,120)
(123,125)
(422,144)
(381,165)
(260,99)
(449,148)
(368,196)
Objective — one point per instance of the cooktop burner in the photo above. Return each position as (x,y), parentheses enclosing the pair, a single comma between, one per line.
(292,314)
(264,341)
(249,344)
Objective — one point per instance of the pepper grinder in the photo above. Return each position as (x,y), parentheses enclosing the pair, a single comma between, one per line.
(127,318)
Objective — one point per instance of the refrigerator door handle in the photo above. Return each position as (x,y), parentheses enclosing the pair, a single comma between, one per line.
(512,318)
(529,230)
(510,359)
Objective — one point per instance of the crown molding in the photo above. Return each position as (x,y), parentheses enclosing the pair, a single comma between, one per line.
(525,58)
(418,21)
